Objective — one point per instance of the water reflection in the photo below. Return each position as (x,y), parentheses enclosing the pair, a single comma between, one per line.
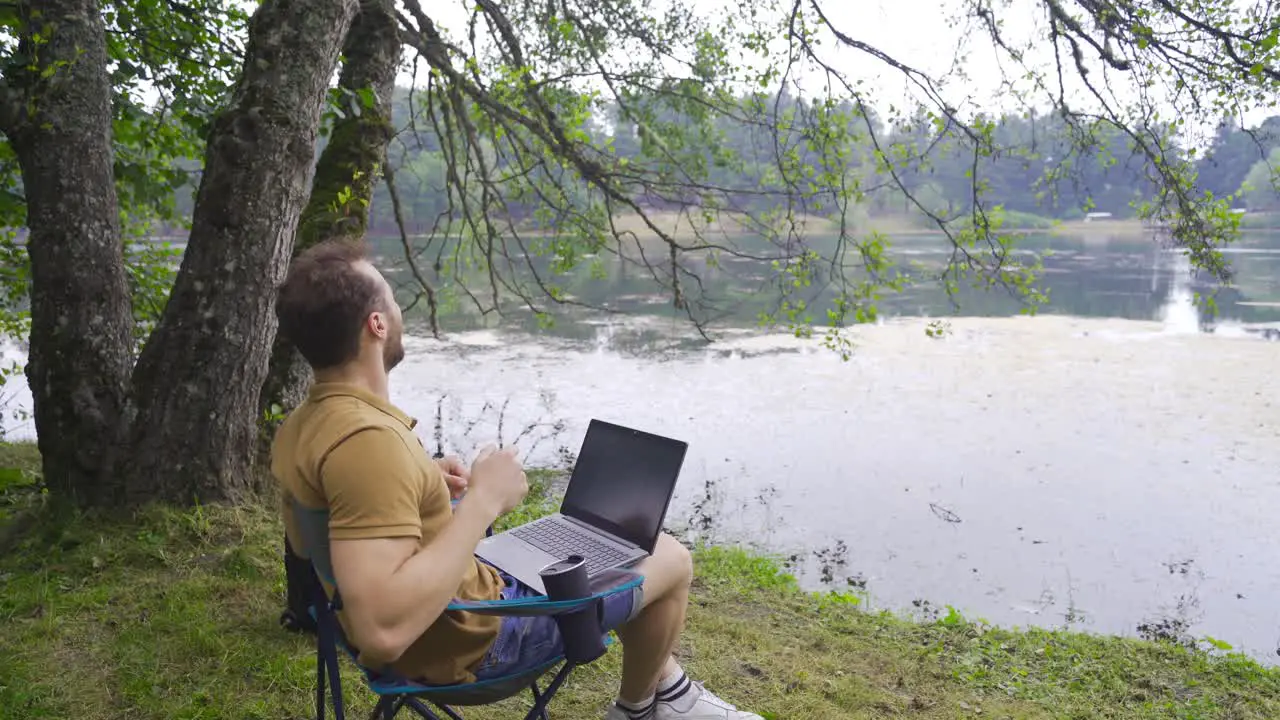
(1104,277)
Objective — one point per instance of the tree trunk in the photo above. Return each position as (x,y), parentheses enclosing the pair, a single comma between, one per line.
(197,382)
(348,168)
(81,322)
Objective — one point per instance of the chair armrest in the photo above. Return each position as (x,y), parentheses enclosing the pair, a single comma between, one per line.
(580,620)
(606,584)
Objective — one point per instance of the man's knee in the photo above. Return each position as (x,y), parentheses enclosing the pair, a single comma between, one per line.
(681,558)
(671,565)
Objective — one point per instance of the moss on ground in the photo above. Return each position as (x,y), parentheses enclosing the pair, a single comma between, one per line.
(173,614)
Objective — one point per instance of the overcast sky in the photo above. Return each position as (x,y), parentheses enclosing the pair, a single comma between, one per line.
(928,35)
(915,32)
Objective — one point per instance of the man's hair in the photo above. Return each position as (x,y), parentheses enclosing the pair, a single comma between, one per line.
(324,301)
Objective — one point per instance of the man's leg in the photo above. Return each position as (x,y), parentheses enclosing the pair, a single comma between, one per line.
(653,684)
(649,639)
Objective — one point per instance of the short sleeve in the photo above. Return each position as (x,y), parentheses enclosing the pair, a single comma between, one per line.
(373,487)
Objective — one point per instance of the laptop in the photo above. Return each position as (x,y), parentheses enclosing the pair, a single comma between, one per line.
(612,511)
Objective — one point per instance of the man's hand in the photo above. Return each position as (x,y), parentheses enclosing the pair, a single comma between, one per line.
(497,477)
(456,474)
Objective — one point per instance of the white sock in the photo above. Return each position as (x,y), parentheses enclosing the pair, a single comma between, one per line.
(638,711)
(676,690)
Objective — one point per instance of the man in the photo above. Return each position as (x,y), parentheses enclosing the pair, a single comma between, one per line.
(399,552)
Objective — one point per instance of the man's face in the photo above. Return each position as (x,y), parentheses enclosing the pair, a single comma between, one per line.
(393,348)
(393,343)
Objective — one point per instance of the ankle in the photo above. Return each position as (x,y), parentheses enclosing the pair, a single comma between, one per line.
(671,671)
(642,710)
(673,687)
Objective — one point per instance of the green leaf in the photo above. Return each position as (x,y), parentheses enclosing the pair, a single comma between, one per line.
(1218,644)
(9,16)
(11,477)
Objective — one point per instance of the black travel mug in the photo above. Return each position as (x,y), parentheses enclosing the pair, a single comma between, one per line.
(580,628)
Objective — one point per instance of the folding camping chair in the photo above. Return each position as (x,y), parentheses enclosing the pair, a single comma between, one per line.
(396,693)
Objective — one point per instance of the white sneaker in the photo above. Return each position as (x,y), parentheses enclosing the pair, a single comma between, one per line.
(698,703)
(617,713)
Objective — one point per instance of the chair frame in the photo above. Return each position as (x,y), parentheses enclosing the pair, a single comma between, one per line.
(394,698)
(432,702)
(396,694)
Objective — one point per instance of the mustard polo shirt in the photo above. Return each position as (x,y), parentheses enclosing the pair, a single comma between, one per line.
(347,450)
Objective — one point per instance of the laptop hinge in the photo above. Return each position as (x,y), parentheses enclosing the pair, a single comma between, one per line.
(600,531)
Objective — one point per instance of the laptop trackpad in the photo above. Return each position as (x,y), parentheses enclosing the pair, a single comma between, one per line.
(515,557)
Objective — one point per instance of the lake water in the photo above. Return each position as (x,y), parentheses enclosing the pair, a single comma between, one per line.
(1110,464)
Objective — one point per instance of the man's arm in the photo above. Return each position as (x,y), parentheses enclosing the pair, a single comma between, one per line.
(393,591)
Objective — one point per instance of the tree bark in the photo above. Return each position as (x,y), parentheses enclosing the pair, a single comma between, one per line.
(349,168)
(198,380)
(81,344)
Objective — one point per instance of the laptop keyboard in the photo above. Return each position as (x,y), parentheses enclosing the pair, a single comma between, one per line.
(563,539)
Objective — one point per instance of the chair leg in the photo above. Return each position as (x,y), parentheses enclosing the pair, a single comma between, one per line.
(335,688)
(542,699)
(537,698)
(328,658)
(319,686)
(426,712)
(386,709)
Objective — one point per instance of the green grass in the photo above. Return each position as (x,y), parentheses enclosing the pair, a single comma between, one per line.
(1018,220)
(19,468)
(172,614)
(19,474)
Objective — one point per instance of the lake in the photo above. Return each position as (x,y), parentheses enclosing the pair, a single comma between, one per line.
(1109,464)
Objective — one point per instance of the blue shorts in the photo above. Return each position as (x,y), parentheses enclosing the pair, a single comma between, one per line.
(524,643)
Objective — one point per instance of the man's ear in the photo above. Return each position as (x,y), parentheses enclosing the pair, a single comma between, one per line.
(377,324)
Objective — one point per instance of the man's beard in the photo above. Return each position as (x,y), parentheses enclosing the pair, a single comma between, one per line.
(393,351)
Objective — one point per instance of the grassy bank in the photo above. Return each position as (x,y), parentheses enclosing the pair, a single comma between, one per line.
(1018,222)
(172,614)
(688,226)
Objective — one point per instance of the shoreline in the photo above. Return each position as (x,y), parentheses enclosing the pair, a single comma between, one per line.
(678,226)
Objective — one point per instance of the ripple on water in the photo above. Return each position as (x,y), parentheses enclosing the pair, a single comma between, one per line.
(1073,457)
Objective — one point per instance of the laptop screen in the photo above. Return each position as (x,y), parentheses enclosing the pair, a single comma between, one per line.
(623,481)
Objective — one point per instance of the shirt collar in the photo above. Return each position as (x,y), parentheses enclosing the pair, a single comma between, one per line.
(322,390)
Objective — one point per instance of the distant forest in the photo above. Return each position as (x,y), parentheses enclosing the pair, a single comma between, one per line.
(1033,170)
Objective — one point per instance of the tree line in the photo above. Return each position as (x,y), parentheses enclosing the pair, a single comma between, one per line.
(1037,169)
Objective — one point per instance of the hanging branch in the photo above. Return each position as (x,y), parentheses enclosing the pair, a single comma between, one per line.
(389,176)
(531,174)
